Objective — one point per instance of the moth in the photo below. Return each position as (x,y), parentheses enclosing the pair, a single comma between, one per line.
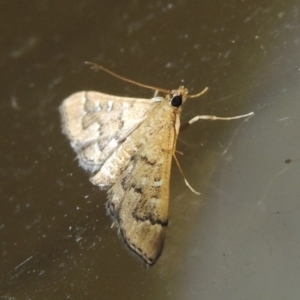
(128,145)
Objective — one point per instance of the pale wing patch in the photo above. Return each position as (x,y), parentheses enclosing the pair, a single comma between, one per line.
(139,200)
(97,124)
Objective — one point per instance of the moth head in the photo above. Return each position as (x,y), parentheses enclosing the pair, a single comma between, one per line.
(177,97)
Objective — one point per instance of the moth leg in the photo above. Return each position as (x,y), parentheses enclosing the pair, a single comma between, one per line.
(213,118)
(179,152)
(113,225)
(205,117)
(185,180)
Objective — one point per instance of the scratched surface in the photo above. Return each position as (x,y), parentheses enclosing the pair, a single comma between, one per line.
(240,238)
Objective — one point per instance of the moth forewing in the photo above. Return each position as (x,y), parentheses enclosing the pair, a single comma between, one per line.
(139,200)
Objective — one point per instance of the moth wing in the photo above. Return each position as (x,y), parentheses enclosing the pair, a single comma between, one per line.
(97,123)
(139,201)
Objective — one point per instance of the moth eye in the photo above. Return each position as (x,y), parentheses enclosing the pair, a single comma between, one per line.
(176,101)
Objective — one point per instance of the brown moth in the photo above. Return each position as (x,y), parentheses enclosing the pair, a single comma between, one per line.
(128,145)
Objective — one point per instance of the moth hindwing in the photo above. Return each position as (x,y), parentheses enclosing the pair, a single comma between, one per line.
(127,144)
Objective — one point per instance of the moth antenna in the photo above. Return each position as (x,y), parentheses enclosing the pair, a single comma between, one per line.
(98,67)
(185,180)
(199,94)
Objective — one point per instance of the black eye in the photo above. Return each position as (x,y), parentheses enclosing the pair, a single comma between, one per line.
(176,101)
